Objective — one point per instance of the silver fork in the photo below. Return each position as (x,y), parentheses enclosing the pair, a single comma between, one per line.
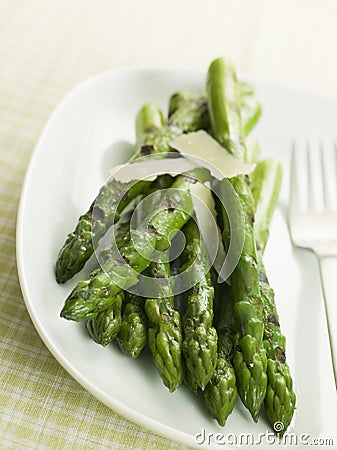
(313,221)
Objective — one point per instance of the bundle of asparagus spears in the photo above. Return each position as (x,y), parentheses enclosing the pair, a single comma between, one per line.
(222,338)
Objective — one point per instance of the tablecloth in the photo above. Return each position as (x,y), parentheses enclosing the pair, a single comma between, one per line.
(46,48)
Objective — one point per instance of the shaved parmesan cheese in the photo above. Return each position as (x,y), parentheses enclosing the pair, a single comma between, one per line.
(198,149)
(204,208)
(201,148)
(148,169)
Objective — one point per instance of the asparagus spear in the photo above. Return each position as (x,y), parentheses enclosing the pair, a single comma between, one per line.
(249,354)
(106,325)
(265,185)
(107,206)
(153,137)
(280,399)
(149,120)
(164,331)
(199,336)
(177,99)
(250,108)
(131,326)
(165,328)
(120,270)
(92,225)
(252,149)
(220,393)
(250,111)
(184,108)
(132,334)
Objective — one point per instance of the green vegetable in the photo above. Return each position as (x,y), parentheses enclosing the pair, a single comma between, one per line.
(121,268)
(185,107)
(153,137)
(92,225)
(188,112)
(132,334)
(252,149)
(133,331)
(250,108)
(164,330)
(249,354)
(228,340)
(106,325)
(265,185)
(131,327)
(199,336)
(220,393)
(280,398)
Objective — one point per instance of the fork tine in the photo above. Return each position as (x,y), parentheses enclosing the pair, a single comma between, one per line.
(311,179)
(333,198)
(294,187)
(324,177)
(320,179)
(329,176)
(334,177)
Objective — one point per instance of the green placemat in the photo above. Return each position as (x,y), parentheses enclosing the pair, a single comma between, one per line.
(45,50)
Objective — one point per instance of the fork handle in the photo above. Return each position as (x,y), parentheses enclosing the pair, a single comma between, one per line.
(328,269)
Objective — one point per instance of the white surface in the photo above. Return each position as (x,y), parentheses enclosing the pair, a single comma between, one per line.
(84,136)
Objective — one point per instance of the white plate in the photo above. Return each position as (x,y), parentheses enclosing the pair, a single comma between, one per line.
(85,136)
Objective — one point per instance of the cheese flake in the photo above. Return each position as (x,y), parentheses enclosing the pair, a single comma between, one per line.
(202,149)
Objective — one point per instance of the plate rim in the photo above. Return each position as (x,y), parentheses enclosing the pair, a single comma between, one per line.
(130,414)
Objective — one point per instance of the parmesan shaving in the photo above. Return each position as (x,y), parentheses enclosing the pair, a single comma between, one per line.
(201,148)
(148,169)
